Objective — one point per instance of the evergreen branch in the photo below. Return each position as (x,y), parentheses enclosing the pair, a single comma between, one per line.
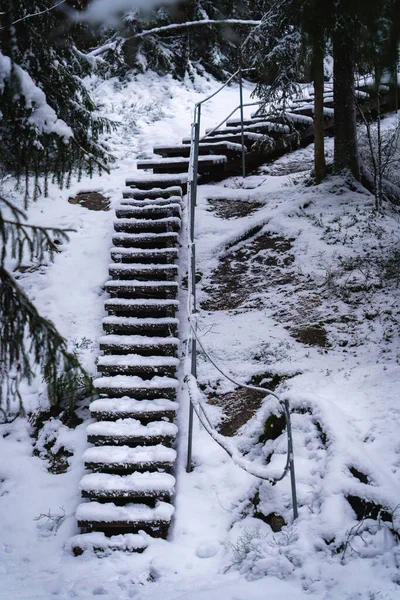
(91,157)
(28,339)
(35,238)
(37,14)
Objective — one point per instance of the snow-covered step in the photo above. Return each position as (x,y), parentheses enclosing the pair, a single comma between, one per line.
(101,544)
(112,409)
(133,386)
(146,240)
(135,364)
(135,326)
(270,128)
(131,432)
(128,487)
(139,344)
(132,517)
(263,120)
(229,149)
(144,256)
(249,137)
(143,272)
(152,193)
(146,308)
(122,459)
(150,182)
(142,289)
(165,225)
(150,202)
(181,164)
(149,212)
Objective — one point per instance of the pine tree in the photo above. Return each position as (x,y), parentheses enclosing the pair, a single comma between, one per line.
(289,45)
(48,128)
(206,48)
(41,72)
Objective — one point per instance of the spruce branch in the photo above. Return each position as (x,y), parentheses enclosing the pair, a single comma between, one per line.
(28,339)
(37,240)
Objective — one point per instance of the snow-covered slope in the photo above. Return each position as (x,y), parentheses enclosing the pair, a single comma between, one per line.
(342,384)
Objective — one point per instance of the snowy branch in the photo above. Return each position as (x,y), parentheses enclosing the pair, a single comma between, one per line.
(36,14)
(191,24)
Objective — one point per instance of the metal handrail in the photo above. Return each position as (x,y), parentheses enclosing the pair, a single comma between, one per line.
(192,307)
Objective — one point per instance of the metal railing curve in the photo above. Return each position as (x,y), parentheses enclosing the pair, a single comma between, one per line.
(191,380)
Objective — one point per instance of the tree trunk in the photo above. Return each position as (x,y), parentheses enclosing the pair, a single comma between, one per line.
(318,76)
(346,146)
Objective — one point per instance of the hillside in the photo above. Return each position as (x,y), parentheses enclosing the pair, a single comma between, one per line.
(299,291)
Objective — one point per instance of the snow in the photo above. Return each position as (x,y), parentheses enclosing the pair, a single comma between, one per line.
(132,382)
(43,117)
(126,456)
(131,427)
(140,340)
(137,482)
(108,513)
(137,360)
(217,549)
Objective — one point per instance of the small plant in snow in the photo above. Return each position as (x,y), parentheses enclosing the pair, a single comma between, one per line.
(256,555)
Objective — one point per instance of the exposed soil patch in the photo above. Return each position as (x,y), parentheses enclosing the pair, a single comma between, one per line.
(242,275)
(241,404)
(91,201)
(226,208)
(238,408)
(311,336)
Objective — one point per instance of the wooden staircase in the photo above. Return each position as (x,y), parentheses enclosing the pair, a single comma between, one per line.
(129,487)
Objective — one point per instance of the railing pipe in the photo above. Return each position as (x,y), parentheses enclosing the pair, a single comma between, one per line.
(228,117)
(241,123)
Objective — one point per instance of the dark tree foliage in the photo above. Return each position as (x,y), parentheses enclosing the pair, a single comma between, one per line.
(209,48)
(287,48)
(43,46)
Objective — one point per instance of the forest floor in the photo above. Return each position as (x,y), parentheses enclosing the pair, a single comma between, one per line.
(298,291)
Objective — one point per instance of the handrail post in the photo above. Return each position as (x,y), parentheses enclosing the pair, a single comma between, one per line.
(192,189)
(291,459)
(242,124)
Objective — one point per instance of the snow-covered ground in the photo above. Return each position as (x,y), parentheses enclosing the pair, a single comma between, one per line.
(343,388)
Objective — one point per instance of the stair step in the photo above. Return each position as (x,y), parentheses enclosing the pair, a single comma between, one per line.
(270,128)
(149,211)
(144,256)
(166,225)
(133,386)
(162,181)
(143,272)
(229,149)
(113,409)
(236,138)
(151,202)
(122,459)
(152,193)
(139,344)
(142,289)
(132,517)
(131,432)
(251,121)
(180,164)
(134,364)
(146,308)
(128,487)
(101,544)
(146,240)
(133,325)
